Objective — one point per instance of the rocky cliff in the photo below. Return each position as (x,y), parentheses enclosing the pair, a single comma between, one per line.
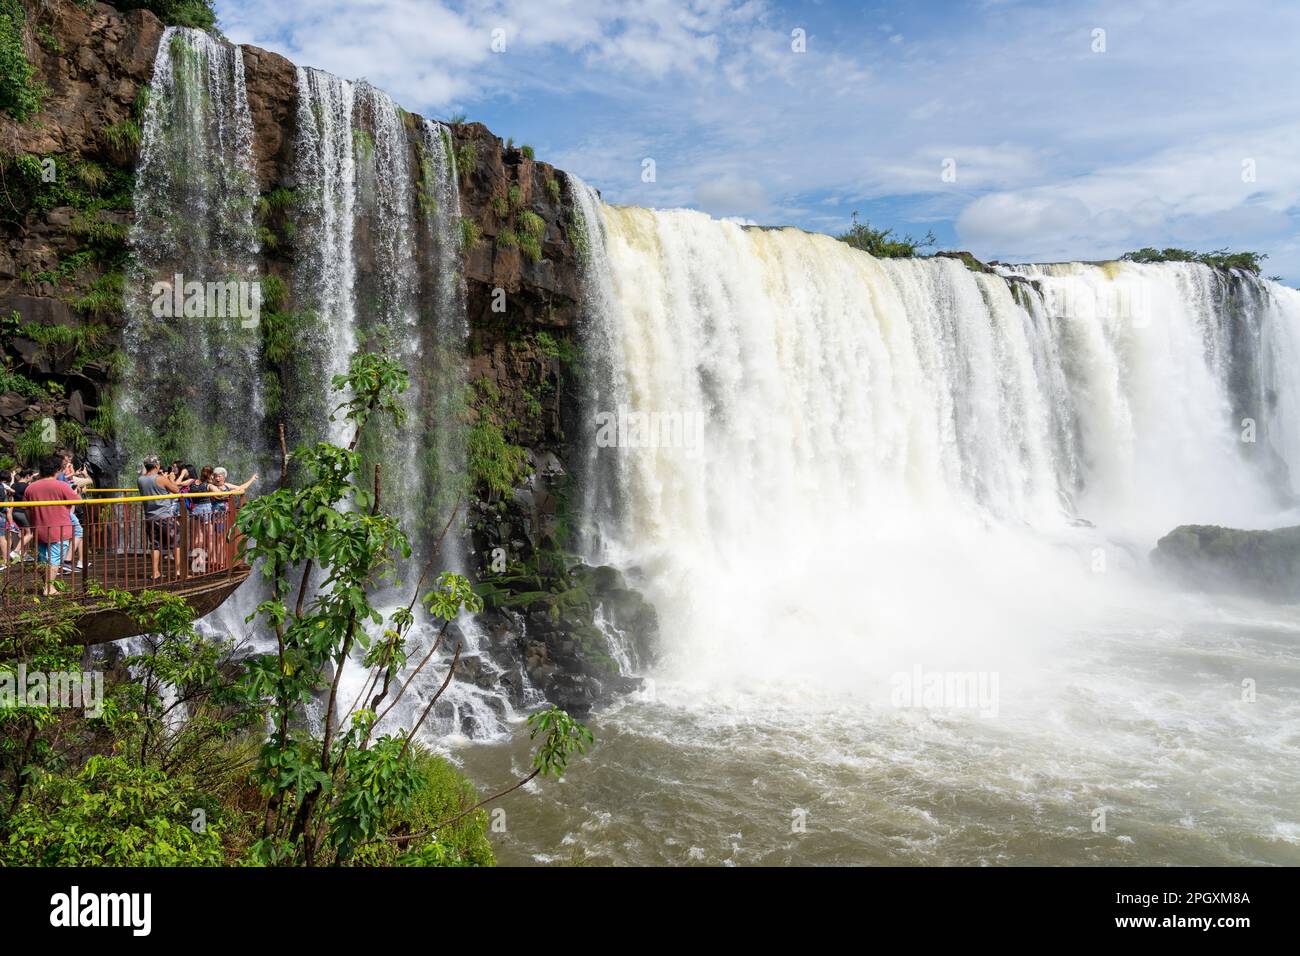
(66,179)
(1263,564)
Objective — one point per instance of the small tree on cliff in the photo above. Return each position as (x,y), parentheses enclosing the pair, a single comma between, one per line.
(327,545)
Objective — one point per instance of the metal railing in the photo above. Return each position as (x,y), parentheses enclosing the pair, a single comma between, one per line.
(113,543)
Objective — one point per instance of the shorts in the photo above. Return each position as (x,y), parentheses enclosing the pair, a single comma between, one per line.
(52,553)
(76,525)
(161,533)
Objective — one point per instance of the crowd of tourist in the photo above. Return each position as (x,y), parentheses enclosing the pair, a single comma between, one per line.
(53,535)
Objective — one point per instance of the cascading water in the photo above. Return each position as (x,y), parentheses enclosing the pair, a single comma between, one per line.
(188,373)
(838,477)
(325,275)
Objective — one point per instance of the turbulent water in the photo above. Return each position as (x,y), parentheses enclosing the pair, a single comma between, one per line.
(894,516)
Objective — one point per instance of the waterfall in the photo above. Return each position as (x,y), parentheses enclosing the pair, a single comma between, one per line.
(325,275)
(379,261)
(793,438)
(444,337)
(191,372)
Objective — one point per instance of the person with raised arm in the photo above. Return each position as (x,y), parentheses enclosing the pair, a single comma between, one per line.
(159,516)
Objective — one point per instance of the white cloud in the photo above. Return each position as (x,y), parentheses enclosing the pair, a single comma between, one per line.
(1057,148)
(731,195)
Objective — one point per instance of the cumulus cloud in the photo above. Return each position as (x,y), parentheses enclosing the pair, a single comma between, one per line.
(731,195)
(1059,151)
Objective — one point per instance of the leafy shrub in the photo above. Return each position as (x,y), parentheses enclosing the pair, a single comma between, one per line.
(493,461)
(176,13)
(1218,259)
(531,224)
(123,135)
(878,242)
(110,814)
(20,97)
(466,159)
(469,234)
(531,248)
(443,794)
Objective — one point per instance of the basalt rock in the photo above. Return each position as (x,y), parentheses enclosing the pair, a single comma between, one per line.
(1264,564)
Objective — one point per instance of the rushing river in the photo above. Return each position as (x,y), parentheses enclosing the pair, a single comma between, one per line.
(1147,722)
(898,545)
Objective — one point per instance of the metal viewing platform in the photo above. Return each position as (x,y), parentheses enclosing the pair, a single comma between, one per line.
(200,559)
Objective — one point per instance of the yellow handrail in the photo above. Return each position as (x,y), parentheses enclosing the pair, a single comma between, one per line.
(67,503)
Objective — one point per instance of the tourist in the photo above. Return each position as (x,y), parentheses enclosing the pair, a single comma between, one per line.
(21,517)
(53,523)
(220,509)
(159,516)
(77,481)
(201,509)
(9,530)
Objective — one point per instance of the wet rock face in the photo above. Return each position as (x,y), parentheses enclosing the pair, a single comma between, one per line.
(577,634)
(93,62)
(1263,564)
(550,625)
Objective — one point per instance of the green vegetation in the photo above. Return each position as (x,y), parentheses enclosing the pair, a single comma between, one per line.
(176,13)
(20,96)
(532,228)
(516,196)
(195,757)
(363,144)
(104,298)
(1219,259)
(500,206)
(441,794)
(466,155)
(124,135)
(62,821)
(48,40)
(564,349)
(427,188)
(274,212)
(531,224)
(469,234)
(880,242)
(578,234)
(531,248)
(553,189)
(31,445)
(11,381)
(494,462)
(527,151)
(507,239)
(277,200)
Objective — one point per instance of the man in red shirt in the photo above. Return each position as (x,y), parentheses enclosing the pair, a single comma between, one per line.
(53,523)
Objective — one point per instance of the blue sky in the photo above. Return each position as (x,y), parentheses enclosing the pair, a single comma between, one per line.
(1179,125)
